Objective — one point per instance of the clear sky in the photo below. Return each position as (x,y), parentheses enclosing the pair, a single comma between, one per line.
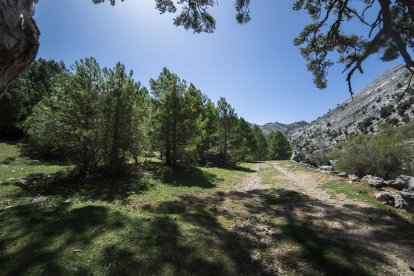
(254,66)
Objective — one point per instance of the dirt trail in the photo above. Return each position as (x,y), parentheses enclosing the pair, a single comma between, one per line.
(364,228)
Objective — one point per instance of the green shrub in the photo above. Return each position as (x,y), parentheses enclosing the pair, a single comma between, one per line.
(393,121)
(386,154)
(405,118)
(402,107)
(386,111)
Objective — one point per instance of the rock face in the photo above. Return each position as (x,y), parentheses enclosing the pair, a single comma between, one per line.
(295,156)
(284,128)
(374,104)
(404,182)
(23,183)
(326,168)
(353,178)
(374,181)
(401,200)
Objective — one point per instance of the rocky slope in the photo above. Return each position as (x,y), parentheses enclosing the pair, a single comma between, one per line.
(284,128)
(376,103)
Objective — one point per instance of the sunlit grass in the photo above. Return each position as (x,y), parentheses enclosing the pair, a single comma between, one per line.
(362,192)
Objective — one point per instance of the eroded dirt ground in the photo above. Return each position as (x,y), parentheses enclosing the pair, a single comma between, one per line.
(291,225)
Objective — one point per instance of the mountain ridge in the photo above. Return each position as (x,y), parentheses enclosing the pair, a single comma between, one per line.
(284,128)
(384,100)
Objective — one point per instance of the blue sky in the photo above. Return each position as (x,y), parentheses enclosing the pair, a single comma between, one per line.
(254,66)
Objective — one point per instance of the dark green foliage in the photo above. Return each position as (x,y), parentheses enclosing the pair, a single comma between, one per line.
(227,130)
(25,92)
(244,144)
(386,154)
(392,121)
(278,146)
(386,111)
(405,118)
(120,98)
(261,150)
(170,128)
(103,119)
(402,107)
(92,118)
(364,125)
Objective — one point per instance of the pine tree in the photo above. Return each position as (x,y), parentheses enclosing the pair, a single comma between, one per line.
(169,129)
(261,151)
(227,123)
(279,146)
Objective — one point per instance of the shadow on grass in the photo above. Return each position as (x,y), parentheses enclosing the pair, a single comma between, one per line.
(187,177)
(69,185)
(34,237)
(185,237)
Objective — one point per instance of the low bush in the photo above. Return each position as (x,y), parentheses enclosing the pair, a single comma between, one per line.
(386,154)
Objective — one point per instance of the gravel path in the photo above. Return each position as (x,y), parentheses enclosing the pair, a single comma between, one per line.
(364,227)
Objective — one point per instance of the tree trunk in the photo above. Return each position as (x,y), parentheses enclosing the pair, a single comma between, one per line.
(225,143)
(168,145)
(174,143)
(19,39)
(115,140)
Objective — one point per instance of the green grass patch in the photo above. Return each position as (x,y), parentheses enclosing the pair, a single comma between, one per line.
(268,173)
(150,225)
(362,192)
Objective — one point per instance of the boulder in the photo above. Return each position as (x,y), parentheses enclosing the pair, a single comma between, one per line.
(389,183)
(309,166)
(353,178)
(342,174)
(23,183)
(374,181)
(326,168)
(404,183)
(295,156)
(38,199)
(401,200)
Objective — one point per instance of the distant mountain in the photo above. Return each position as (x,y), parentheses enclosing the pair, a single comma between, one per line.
(382,100)
(284,128)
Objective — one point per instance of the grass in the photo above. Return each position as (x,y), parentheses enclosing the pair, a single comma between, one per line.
(165,222)
(267,174)
(363,192)
(150,225)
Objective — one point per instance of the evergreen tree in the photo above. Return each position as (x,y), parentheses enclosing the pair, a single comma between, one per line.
(227,124)
(261,151)
(201,123)
(67,121)
(169,126)
(24,93)
(243,143)
(119,94)
(279,146)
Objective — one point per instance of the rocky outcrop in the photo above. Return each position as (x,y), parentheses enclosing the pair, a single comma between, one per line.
(295,156)
(401,200)
(374,181)
(378,102)
(353,178)
(404,182)
(284,128)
